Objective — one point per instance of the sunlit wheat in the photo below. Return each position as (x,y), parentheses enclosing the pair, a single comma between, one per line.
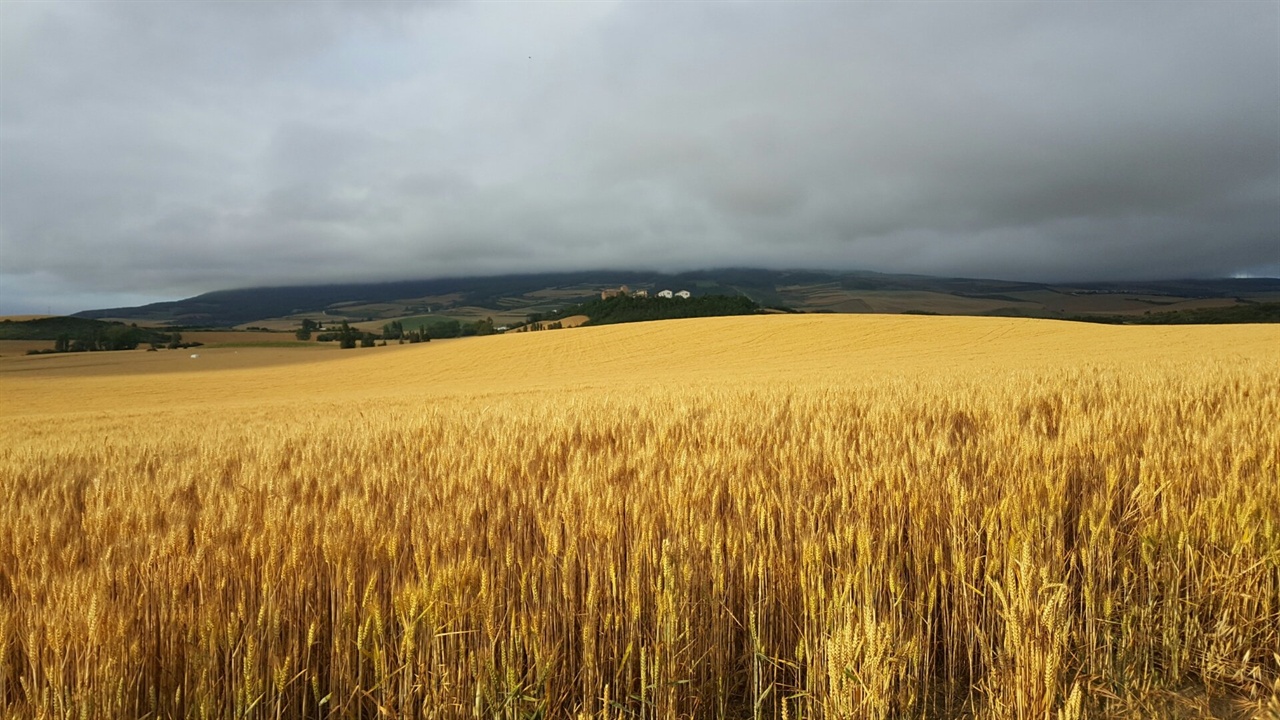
(1074,531)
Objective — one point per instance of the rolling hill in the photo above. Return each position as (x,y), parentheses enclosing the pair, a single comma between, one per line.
(512,298)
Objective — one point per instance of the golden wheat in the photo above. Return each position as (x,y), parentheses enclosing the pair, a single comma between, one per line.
(753,517)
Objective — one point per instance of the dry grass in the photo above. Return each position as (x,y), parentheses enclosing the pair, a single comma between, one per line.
(751,517)
(21,347)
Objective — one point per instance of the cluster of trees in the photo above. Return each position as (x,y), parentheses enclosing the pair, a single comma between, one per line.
(448,328)
(118,337)
(94,336)
(345,335)
(395,331)
(536,325)
(308,326)
(480,327)
(349,337)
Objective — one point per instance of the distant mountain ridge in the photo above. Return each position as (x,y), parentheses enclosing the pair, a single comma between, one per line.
(805,290)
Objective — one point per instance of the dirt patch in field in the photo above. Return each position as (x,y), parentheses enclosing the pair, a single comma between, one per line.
(215,337)
(145,362)
(9,348)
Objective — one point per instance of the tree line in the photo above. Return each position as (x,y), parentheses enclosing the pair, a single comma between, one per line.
(81,335)
(349,337)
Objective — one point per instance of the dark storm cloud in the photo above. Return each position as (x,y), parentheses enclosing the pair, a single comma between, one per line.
(151,150)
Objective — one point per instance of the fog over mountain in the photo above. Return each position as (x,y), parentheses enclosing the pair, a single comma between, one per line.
(158,150)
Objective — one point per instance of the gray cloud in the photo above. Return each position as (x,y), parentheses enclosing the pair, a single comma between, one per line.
(160,150)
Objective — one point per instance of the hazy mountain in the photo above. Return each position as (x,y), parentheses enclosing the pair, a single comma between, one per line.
(514,296)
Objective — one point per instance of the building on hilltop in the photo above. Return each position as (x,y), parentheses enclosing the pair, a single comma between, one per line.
(683,294)
(664,294)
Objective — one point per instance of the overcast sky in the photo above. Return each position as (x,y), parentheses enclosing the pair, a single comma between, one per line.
(155,150)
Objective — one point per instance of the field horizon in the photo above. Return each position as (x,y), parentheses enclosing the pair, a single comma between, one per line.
(810,348)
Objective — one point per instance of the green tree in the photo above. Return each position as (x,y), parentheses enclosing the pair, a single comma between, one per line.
(308,326)
(484,327)
(120,337)
(446,329)
(347,336)
(392,331)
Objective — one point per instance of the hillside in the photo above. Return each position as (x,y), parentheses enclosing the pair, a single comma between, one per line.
(812,349)
(73,334)
(512,298)
(1257,312)
(52,327)
(631,308)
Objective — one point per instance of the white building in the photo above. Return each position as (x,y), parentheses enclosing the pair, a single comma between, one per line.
(683,294)
(664,293)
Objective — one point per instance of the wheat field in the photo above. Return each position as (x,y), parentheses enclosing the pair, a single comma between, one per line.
(839,517)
